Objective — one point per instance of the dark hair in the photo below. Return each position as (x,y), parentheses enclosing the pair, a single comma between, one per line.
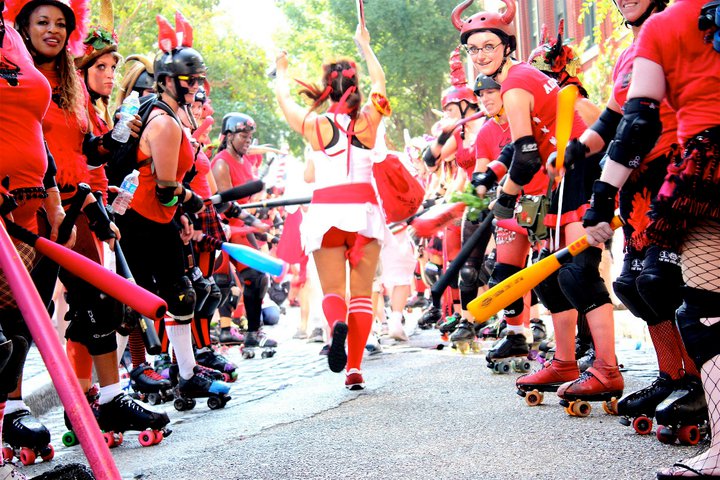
(338,77)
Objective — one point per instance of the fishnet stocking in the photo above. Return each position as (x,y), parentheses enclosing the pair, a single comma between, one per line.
(701,256)
(667,349)
(708,462)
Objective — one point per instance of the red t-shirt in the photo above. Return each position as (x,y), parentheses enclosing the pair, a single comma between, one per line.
(144,201)
(25,95)
(199,183)
(622,74)
(692,68)
(491,139)
(64,133)
(97,178)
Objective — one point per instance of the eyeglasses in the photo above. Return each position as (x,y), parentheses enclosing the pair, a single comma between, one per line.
(192,81)
(488,49)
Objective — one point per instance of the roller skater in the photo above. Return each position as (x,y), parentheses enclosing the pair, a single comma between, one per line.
(553,374)
(123,414)
(27,438)
(257,341)
(683,416)
(509,353)
(208,358)
(200,386)
(464,339)
(149,385)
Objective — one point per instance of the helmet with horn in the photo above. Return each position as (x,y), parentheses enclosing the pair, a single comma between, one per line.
(556,58)
(459,90)
(499,23)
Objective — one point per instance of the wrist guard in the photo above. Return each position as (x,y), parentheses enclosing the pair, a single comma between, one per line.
(486,179)
(98,221)
(8,203)
(444,137)
(249,219)
(526,160)
(576,151)
(602,204)
(193,204)
(504,206)
(637,133)
(428,157)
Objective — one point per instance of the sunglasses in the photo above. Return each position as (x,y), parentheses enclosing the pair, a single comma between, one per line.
(192,81)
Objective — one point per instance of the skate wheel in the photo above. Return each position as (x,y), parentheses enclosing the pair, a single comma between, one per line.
(665,435)
(624,421)
(190,403)
(272,353)
(47,453)
(109,439)
(533,398)
(265,355)
(153,398)
(8,453)
(27,456)
(214,403)
(146,438)
(444,337)
(689,435)
(642,425)
(505,367)
(159,436)
(227,378)
(119,439)
(610,406)
(179,404)
(581,408)
(69,439)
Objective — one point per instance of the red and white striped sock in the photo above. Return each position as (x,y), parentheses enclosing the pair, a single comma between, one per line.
(360,317)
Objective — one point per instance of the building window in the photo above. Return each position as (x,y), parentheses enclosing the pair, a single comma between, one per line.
(560,14)
(589,24)
(533,22)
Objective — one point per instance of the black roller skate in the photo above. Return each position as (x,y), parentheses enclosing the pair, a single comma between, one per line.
(463,338)
(150,386)
(69,438)
(510,353)
(123,414)
(231,336)
(683,415)
(210,359)
(258,341)
(539,332)
(27,438)
(493,328)
(638,408)
(448,326)
(200,386)
(430,317)
(209,373)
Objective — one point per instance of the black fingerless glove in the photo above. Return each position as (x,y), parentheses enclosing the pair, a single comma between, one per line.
(504,206)
(486,179)
(602,204)
(427,203)
(575,152)
(8,204)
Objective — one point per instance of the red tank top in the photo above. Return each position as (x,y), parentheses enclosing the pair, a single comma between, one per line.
(145,201)
(622,75)
(241,171)
(199,183)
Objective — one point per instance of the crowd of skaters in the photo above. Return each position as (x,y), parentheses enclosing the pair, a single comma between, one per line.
(650,151)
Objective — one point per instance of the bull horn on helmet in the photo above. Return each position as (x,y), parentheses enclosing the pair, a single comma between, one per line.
(509,14)
(457,12)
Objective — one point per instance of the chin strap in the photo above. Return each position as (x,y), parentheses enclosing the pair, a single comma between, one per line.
(643,17)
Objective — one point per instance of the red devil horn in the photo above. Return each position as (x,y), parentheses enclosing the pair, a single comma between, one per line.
(561,30)
(544,34)
(184,27)
(457,12)
(509,14)
(457,69)
(167,39)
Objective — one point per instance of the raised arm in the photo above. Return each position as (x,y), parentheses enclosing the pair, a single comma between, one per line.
(296,115)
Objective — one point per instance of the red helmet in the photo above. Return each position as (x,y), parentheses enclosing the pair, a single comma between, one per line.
(459,91)
(498,22)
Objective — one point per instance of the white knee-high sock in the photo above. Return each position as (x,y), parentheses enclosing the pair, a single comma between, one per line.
(181,339)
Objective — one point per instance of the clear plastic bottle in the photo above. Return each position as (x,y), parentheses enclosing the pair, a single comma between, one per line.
(130,107)
(126,193)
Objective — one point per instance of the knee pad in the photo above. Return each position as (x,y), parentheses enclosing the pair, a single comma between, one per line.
(279,292)
(580,281)
(91,327)
(698,320)
(660,281)
(469,277)
(202,288)
(212,302)
(181,300)
(626,289)
(503,271)
(432,273)
(549,293)
(255,284)
(10,375)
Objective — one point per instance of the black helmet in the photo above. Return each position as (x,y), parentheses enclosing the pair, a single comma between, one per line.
(180,61)
(144,81)
(237,122)
(483,82)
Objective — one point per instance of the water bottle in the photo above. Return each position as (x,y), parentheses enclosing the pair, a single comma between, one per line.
(128,109)
(126,193)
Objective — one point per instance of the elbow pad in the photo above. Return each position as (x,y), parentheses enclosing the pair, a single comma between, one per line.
(526,160)
(166,195)
(98,221)
(637,133)
(607,124)
(428,157)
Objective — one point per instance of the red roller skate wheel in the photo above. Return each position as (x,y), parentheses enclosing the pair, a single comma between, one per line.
(27,456)
(689,435)
(146,438)
(642,425)
(665,435)
(109,439)
(47,453)
(158,436)
(8,453)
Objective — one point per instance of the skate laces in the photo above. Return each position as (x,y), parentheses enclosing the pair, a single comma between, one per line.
(152,374)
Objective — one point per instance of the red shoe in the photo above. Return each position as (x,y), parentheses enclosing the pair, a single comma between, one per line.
(599,382)
(354,380)
(553,374)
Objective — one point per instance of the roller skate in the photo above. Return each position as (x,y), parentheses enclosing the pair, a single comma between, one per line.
(553,374)
(493,329)
(683,416)
(599,383)
(463,338)
(449,325)
(123,414)
(208,358)
(354,380)
(209,373)
(638,408)
(539,332)
(337,357)
(200,386)
(231,336)
(69,438)
(584,352)
(509,353)
(27,438)
(258,341)
(149,385)
(430,318)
